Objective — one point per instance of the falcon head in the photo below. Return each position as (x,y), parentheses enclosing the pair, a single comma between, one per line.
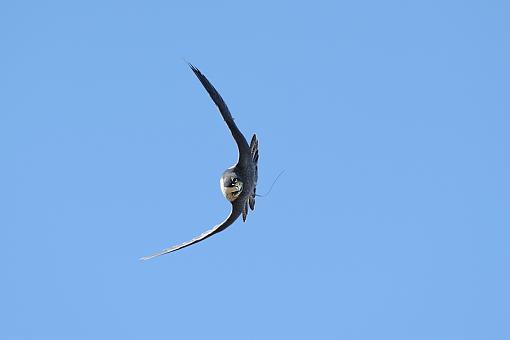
(231,185)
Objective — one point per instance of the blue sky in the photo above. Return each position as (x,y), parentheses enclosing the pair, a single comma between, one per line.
(391,120)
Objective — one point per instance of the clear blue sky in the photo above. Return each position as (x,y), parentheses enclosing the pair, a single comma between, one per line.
(391,119)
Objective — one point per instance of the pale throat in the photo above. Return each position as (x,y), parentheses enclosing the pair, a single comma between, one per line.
(233,192)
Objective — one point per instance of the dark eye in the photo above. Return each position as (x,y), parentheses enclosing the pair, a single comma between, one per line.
(234,180)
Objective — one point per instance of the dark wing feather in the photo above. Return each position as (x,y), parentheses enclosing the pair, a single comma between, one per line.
(242,144)
(234,214)
(254,148)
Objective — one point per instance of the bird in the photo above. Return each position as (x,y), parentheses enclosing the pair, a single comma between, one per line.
(239,182)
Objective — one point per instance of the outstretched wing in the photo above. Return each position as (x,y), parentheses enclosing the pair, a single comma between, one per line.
(234,214)
(242,144)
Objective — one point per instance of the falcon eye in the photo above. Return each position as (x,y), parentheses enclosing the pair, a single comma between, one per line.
(234,180)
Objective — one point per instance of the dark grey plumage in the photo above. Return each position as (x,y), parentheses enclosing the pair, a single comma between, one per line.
(239,182)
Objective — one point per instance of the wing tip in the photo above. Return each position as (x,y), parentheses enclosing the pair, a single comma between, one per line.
(193,68)
(164,252)
(145,258)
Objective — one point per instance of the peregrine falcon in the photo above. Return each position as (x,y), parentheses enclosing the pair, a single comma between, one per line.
(238,183)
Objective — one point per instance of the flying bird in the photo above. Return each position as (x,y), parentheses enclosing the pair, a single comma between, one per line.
(239,182)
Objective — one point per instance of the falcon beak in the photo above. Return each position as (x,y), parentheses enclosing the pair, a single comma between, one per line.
(233,191)
(236,188)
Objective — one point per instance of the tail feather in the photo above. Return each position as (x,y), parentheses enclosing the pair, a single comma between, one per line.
(245,211)
(251,202)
